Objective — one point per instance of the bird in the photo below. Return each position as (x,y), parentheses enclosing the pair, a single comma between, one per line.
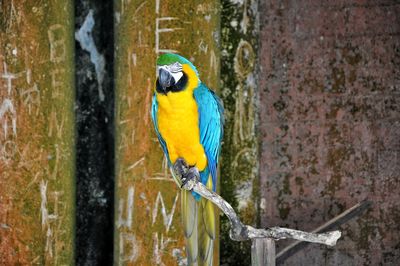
(188,119)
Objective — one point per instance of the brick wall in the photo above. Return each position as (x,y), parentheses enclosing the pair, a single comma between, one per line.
(330,94)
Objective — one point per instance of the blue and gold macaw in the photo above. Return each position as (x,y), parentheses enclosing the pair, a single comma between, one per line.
(188,119)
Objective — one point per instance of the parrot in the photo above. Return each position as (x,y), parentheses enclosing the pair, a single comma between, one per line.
(188,119)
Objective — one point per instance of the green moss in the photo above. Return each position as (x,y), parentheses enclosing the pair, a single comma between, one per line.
(351,55)
(367,230)
(299,183)
(334,183)
(239,155)
(333,110)
(313,170)
(247,214)
(335,159)
(337,156)
(312,84)
(299,180)
(338,80)
(284,210)
(280,105)
(354,109)
(286,185)
(352,76)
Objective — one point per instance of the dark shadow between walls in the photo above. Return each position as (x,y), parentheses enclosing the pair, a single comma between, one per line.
(94,36)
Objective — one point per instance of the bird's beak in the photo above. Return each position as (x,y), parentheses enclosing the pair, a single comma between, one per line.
(165,78)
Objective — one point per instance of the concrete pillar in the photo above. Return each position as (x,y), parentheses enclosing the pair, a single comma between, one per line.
(36,133)
(239,75)
(330,125)
(147,215)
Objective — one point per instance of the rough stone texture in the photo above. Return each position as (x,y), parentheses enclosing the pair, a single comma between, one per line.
(94,56)
(330,124)
(36,133)
(148,227)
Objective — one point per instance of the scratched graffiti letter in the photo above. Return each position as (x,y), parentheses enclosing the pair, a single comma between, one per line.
(56,35)
(159,248)
(7,112)
(160,30)
(167,218)
(128,240)
(127,222)
(46,218)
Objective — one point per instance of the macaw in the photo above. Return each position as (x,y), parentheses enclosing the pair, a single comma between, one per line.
(188,120)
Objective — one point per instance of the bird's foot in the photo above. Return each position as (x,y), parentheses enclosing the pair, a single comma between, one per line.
(189,180)
(181,167)
(189,175)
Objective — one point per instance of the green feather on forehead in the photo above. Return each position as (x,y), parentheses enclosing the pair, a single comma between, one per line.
(167,59)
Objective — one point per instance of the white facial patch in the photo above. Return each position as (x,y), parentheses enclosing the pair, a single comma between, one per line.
(174,69)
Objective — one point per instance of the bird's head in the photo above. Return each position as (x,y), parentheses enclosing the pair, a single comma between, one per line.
(175,73)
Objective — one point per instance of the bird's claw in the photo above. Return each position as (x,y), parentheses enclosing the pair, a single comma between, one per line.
(188,180)
(188,174)
(181,167)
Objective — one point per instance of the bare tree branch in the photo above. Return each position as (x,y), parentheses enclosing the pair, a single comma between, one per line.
(241,232)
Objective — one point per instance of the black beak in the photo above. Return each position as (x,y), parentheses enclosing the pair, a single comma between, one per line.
(166,79)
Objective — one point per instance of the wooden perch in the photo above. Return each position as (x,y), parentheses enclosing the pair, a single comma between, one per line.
(241,232)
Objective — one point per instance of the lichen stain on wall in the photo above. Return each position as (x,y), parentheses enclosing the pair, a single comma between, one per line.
(239,164)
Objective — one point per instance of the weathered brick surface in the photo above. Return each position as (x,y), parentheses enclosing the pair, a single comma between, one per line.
(330,124)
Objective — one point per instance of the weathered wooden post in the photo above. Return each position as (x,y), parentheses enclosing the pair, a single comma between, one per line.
(263,252)
(36,133)
(148,225)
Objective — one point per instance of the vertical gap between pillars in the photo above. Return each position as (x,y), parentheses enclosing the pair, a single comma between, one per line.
(94,80)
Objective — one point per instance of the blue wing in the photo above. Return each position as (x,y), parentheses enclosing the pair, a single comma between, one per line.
(154,110)
(211,122)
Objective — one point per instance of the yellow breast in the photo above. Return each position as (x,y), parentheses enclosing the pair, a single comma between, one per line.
(178,125)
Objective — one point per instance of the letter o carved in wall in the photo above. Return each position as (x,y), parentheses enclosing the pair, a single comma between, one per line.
(244,59)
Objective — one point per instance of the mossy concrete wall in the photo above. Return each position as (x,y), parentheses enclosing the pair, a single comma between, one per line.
(239,92)
(147,204)
(36,133)
(330,124)
(311,93)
